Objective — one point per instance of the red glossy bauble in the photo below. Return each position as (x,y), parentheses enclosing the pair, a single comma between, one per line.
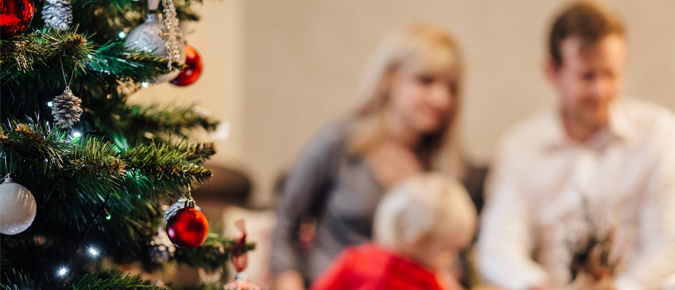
(15,16)
(192,70)
(187,228)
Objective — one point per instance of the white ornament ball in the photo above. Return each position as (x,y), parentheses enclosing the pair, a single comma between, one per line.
(146,37)
(17,208)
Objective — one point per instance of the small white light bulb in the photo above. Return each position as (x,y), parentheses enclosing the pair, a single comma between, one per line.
(63,271)
(77,134)
(93,252)
(50,104)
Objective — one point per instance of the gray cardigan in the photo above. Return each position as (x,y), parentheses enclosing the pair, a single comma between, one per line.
(340,191)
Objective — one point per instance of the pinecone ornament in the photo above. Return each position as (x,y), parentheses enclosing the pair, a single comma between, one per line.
(57,14)
(66,109)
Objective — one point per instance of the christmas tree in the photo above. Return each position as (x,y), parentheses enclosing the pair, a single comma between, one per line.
(89,176)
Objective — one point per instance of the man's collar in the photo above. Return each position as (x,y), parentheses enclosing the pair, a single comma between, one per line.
(619,125)
(555,135)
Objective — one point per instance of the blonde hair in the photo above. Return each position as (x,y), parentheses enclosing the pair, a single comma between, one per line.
(415,50)
(425,205)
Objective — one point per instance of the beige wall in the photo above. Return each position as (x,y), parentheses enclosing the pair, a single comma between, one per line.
(280,69)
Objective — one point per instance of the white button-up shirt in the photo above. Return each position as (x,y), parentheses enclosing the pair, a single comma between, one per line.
(545,187)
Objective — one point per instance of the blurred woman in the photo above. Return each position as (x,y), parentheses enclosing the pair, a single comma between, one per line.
(402,124)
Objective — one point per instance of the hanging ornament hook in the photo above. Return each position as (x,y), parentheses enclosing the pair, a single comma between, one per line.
(6,165)
(63,73)
(8,176)
(189,201)
(185,201)
(66,107)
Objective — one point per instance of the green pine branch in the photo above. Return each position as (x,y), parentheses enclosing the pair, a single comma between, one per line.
(4,260)
(177,121)
(128,5)
(45,258)
(116,281)
(200,152)
(28,55)
(97,166)
(127,66)
(103,77)
(107,18)
(133,124)
(73,179)
(16,280)
(163,167)
(212,255)
(45,60)
(169,120)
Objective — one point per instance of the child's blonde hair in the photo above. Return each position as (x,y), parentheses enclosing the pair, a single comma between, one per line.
(425,205)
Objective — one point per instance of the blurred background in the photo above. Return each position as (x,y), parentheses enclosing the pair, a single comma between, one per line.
(276,71)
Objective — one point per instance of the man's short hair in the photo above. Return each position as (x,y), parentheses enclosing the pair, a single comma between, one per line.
(588,21)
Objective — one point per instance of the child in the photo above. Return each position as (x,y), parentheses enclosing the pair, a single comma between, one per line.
(418,229)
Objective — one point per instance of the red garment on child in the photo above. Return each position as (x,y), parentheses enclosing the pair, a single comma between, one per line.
(371,267)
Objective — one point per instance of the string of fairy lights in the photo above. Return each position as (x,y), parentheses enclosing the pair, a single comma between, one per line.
(93,252)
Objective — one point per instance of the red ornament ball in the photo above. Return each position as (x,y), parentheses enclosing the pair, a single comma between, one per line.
(192,70)
(187,228)
(15,16)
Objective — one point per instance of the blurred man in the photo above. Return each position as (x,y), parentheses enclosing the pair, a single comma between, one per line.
(596,159)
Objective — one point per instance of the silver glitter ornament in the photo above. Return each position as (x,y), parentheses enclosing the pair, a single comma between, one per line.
(180,203)
(171,33)
(57,14)
(66,109)
(146,37)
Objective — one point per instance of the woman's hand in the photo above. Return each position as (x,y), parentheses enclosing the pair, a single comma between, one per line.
(289,280)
